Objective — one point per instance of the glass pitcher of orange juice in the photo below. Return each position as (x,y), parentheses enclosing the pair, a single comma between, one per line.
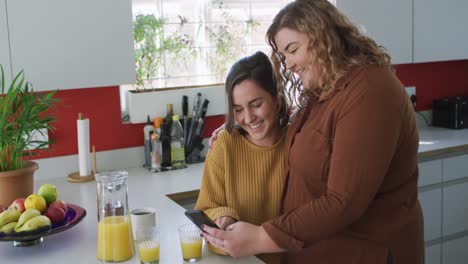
(115,241)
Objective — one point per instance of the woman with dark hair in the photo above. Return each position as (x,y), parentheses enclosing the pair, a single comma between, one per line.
(351,154)
(243,173)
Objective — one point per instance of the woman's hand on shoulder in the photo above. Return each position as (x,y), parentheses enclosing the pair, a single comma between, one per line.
(224,221)
(214,135)
(293,112)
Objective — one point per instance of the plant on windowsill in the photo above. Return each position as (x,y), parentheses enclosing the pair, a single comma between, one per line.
(22,112)
(228,39)
(152,45)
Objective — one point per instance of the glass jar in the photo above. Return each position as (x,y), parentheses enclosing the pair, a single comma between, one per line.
(115,241)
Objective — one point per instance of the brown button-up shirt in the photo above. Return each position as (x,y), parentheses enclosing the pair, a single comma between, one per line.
(351,176)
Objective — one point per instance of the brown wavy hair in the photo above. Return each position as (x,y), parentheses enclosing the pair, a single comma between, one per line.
(256,68)
(335,44)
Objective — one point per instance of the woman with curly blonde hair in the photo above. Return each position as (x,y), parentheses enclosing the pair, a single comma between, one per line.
(351,154)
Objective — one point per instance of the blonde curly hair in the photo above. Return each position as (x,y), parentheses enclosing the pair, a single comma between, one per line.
(335,44)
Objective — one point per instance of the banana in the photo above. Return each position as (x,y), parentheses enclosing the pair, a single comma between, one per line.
(8,216)
(8,228)
(35,223)
(25,216)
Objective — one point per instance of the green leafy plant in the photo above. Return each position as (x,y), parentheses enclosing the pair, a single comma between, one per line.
(22,112)
(152,44)
(227,37)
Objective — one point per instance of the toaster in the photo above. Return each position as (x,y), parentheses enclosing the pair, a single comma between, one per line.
(450,112)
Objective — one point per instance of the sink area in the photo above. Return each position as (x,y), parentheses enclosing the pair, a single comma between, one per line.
(185,199)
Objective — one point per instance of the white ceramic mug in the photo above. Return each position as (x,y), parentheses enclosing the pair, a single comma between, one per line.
(142,217)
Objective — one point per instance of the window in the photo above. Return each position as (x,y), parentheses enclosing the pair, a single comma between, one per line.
(206,37)
(201,39)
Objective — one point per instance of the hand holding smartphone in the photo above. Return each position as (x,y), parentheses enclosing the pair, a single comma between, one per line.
(199,218)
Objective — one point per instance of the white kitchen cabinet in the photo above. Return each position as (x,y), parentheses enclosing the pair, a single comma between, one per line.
(455,251)
(389,23)
(430,172)
(432,254)
(72,44)
(431,204)
(4,45)
(455,167)
(440,30)
(455,209)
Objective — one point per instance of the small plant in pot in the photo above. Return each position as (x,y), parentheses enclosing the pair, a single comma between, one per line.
(22,112)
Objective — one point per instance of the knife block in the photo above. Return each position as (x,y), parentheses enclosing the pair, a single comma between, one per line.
(195,155)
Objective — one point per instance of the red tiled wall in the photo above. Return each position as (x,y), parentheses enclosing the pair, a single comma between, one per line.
(102,106)
(435,80)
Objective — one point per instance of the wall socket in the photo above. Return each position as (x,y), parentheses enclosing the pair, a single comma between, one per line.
(411,90)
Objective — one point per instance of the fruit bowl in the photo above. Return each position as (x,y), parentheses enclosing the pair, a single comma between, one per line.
(74,215)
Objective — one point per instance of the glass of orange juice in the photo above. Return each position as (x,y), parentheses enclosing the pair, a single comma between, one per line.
(190,242)
(147,241)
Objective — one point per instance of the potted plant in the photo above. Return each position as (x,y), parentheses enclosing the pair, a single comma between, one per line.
(153,46)
(22,112)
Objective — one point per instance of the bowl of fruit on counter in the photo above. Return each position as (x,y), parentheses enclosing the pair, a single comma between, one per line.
(28,220)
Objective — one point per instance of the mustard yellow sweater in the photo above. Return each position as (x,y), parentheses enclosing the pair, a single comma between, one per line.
(242,180)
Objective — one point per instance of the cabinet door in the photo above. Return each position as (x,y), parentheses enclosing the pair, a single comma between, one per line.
(455,251)
(430,172)
(440,31)
(389,23)
(455,213)
(72,44)
(432,254)
(4,45)
(431,204)
(455,167)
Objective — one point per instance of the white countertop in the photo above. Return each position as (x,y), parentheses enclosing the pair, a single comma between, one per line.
(436,139)
(145,189)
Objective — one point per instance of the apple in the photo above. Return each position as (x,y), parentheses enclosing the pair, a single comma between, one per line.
(55,213)
(61,204)
(18,204)
(49,192)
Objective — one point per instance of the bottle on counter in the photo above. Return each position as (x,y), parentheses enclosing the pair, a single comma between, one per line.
(156,152)
(148,130)
(177,144)
(157,121)
(169,115)
(166,162)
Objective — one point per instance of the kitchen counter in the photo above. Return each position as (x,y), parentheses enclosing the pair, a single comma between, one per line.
(436,142)
(145,189)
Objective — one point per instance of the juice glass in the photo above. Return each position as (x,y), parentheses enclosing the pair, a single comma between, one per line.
(147,240)
(190,242)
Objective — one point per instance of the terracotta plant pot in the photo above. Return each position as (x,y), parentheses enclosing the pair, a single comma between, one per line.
(17,183)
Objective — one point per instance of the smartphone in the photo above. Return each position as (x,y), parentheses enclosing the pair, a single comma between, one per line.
(199,218)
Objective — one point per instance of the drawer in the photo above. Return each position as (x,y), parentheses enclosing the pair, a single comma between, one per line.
(455,251)
(455,168)
(431,204)
(432,254)
(430,172)
(455,209)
